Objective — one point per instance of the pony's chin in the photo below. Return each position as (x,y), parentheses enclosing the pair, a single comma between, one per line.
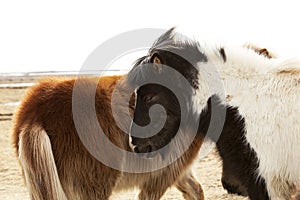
(162,153)
(152,154)
(155,154)
(149,155)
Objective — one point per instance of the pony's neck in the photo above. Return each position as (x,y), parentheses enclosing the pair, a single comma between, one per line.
(241,62)
(232,73)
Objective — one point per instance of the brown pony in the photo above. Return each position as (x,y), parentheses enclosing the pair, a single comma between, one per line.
(57,166)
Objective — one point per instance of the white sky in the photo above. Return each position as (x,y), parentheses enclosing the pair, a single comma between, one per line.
(59,35)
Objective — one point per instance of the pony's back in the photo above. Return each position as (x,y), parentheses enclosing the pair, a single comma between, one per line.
(55,163)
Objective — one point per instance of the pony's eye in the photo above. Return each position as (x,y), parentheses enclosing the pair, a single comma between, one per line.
(148,99)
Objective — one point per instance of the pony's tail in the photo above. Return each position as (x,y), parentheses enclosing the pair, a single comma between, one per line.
(38,165)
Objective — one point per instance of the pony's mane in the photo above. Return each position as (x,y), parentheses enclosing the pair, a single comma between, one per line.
(179,44)
(194,52)
(173,43)
(227,57)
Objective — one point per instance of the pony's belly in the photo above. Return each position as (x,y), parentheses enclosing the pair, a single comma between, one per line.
(273,131)
(129,181)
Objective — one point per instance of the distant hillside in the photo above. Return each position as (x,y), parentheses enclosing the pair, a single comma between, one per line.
(25,79)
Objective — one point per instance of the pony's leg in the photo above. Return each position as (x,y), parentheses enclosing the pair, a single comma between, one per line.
(244,180)
(93,192)
(102,191)
(93,183)
(295,192)
(257,190)
(155,187)
(189,186)
(297,196)
(150,193)
(279,189)
(231,183)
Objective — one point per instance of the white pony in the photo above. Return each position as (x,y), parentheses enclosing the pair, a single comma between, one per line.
(266,93)
(259,143)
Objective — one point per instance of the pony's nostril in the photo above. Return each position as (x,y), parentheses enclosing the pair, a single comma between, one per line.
(144,149)
(136,150)
(148,149)
(133,142)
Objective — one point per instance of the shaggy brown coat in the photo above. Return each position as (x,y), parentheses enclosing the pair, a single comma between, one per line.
(57,166)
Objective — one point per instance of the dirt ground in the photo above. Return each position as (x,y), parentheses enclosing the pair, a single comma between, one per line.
(207,170)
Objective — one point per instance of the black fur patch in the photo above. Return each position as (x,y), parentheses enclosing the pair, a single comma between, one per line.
(147,96)
(182,55)
(222,52)
(238,158)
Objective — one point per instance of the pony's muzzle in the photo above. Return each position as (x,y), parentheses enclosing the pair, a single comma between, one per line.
(143,149)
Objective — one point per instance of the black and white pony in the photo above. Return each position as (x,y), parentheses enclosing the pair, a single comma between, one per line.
(260,135)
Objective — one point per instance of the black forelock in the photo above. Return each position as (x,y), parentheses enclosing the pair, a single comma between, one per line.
(164,38)
(180,45)
(182,53)
(139,61)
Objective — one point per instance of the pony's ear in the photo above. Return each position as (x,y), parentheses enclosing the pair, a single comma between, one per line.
(155,59)
(260,51)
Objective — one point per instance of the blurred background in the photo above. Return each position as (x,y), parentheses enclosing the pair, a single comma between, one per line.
(40,36)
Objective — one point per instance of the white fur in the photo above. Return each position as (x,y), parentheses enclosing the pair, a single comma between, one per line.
(45,160)
(267,93)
